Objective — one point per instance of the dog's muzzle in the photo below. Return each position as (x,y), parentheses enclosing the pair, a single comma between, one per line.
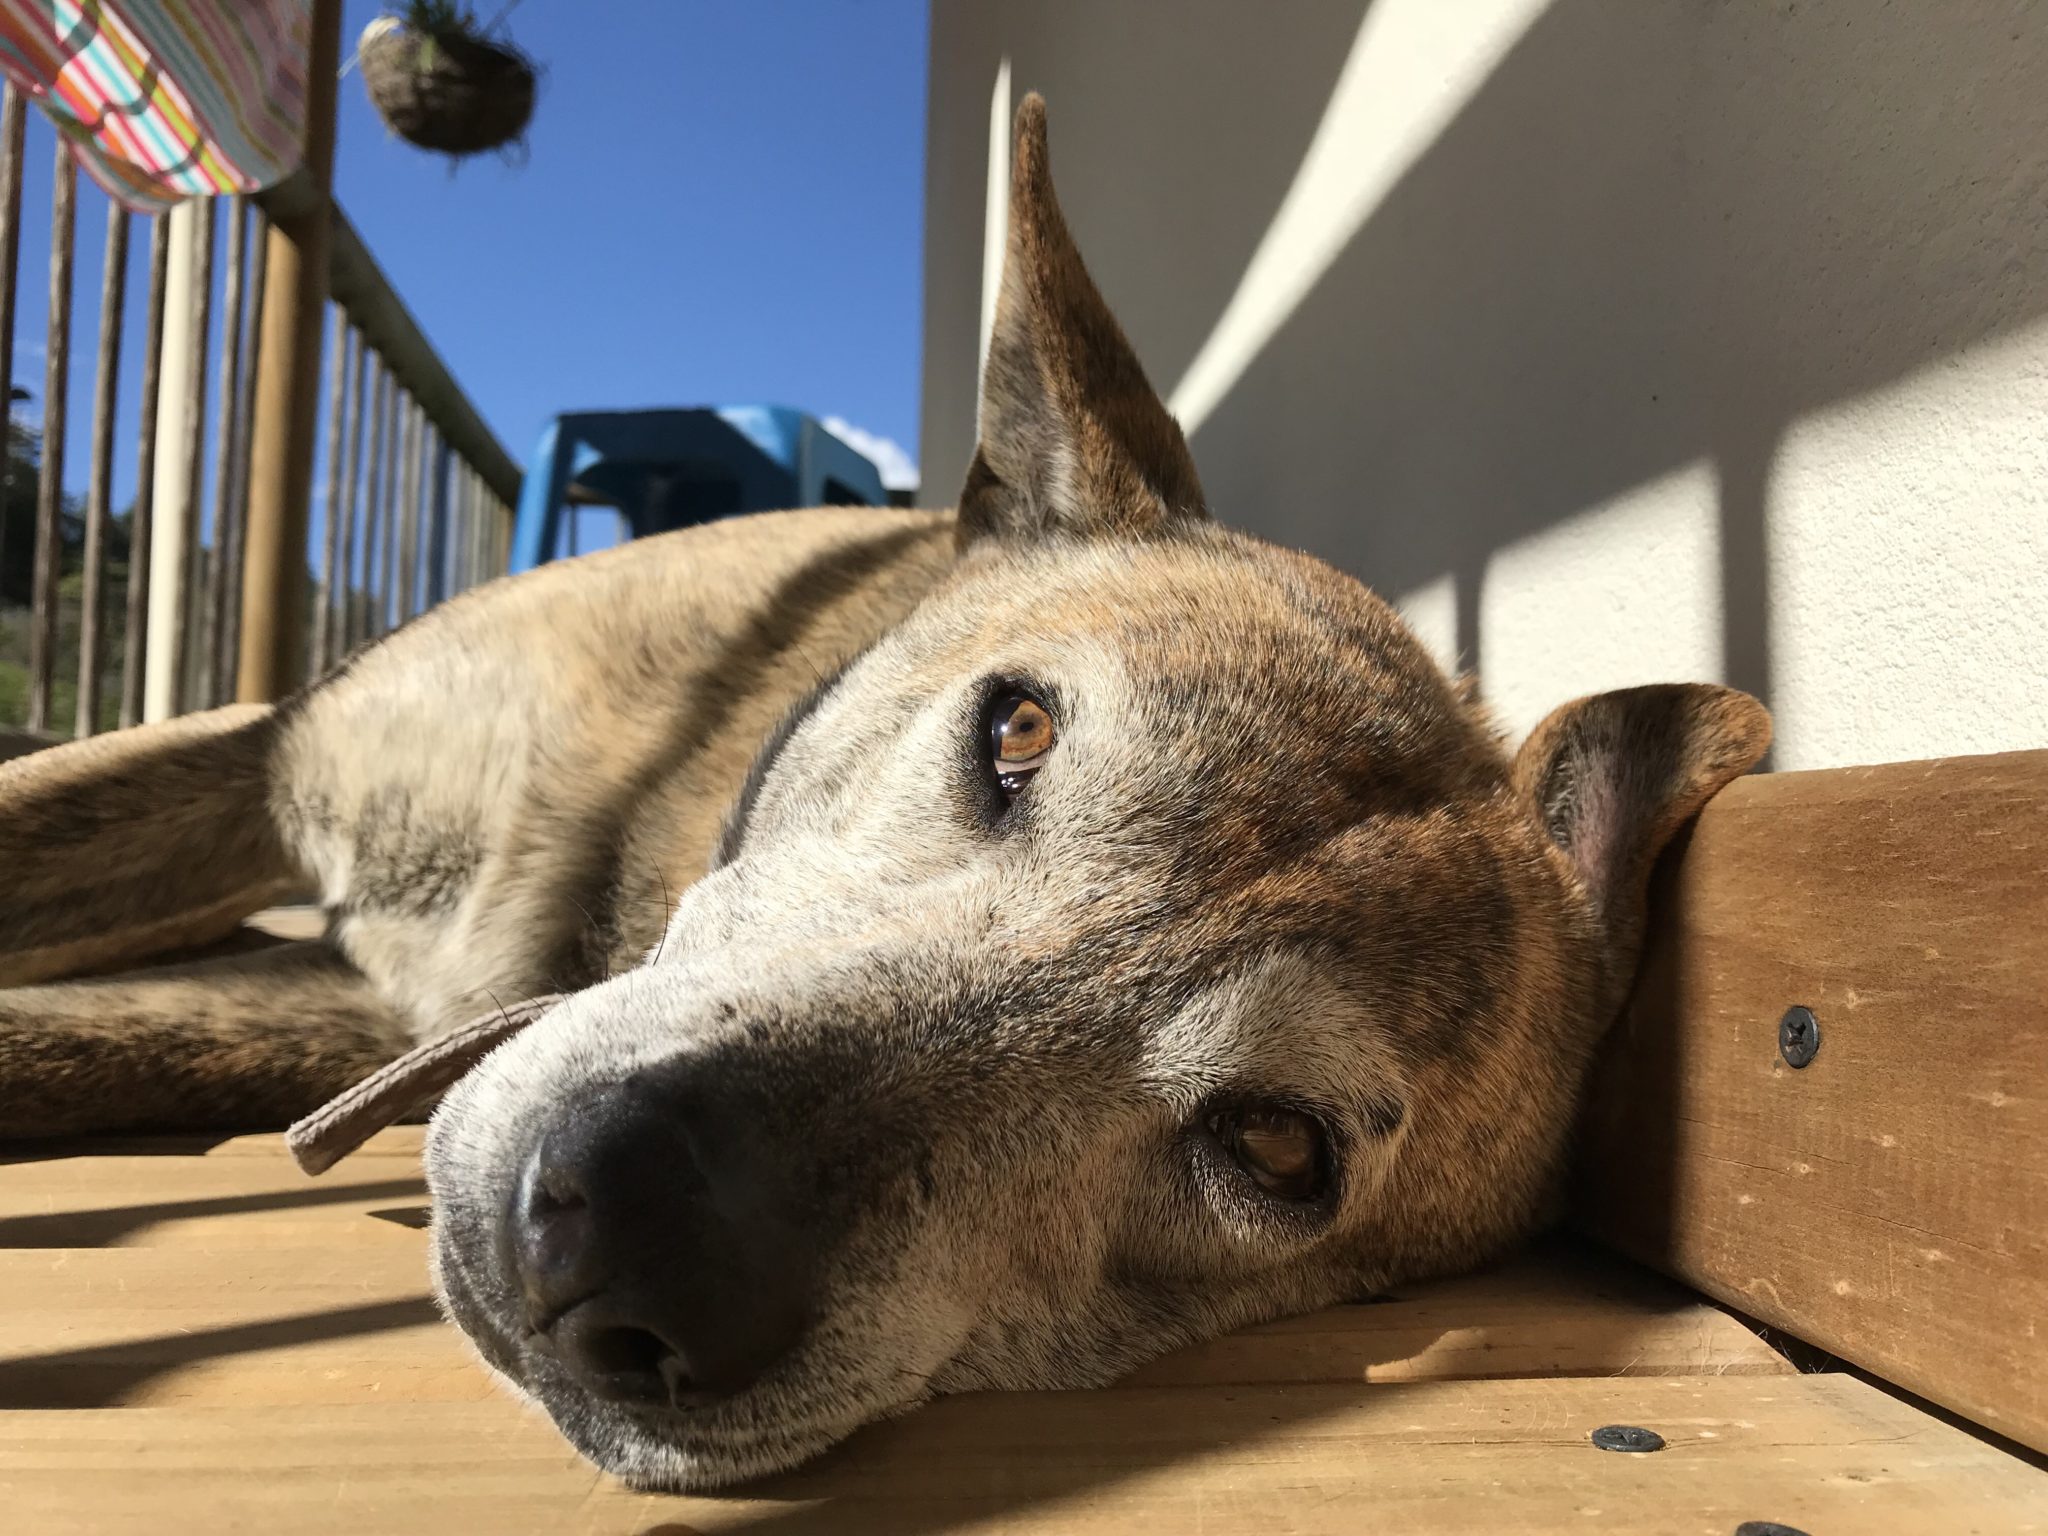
(697,1234)
(663,1248)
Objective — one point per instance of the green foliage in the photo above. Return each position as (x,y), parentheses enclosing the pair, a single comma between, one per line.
(439,18)
(63,699)
(18,511)
(17,577)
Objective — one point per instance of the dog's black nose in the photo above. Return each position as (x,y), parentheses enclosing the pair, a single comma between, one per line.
(660,1245)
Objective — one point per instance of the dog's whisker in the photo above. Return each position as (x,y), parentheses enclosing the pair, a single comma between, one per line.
(817,672)
(604,950)
(668,911)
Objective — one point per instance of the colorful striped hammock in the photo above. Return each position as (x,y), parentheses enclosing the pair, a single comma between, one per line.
(167,99)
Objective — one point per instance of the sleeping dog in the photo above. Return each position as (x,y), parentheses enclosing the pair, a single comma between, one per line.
(999,945)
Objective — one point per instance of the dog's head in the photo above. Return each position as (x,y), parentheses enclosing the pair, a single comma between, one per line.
(1143,939)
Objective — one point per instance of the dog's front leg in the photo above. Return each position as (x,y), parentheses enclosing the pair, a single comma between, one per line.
(130,845)
(243,1042)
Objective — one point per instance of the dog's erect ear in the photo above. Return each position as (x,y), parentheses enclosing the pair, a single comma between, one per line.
(1072,437)
(1611,777)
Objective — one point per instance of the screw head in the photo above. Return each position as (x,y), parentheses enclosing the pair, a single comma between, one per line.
(1627,1437)
(1798,1036)
(1766,1528)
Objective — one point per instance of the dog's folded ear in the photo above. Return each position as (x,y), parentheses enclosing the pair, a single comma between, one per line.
(1073,438)
(1613,776)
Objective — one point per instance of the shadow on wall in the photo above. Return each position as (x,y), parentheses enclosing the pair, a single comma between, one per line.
(1656,234)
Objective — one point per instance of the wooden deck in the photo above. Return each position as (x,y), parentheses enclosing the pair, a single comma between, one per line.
(201,1339)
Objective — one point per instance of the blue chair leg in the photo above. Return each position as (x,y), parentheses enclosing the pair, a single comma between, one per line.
(541,494)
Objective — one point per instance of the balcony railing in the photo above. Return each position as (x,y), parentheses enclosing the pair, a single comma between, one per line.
(111,618)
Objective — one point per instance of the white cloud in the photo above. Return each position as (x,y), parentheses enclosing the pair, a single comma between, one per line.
(899,469)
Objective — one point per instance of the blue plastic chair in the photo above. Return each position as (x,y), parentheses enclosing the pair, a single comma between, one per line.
(674,468)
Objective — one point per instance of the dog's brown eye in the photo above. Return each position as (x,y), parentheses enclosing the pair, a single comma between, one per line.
(1020,734)
(1279,1147)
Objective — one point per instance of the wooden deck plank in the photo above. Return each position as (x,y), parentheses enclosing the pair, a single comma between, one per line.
(1557,1310)
(272,1362)
(239,1194)
(1888,1201)
(1820,1453)
(111,1326)
(393,1141)
(90,1328)
(219,1274)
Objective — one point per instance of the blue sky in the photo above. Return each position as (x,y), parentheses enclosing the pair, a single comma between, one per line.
(721,203)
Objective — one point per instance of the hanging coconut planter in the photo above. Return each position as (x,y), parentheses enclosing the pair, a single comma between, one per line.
(440,82)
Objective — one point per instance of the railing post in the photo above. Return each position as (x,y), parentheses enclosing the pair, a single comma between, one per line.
(99,489)
(387,587)
(472,527)
(141,526)
(408,512)
(180,420)
(13,124)
(42,634)
(194,667)
(363,621)
(437,520)
(285,421)
(244,413)
(216,656)
(333,569)
(345,445)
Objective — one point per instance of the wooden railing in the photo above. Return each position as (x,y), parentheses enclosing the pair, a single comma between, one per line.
(138,615)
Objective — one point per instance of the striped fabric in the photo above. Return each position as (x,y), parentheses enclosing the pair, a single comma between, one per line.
(167,99)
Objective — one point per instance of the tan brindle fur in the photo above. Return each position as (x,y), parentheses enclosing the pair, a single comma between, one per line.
(1275,851)
(537,737)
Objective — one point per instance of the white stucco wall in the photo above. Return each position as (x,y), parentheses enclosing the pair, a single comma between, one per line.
(1905,578)
(1615,343)
(1908,564)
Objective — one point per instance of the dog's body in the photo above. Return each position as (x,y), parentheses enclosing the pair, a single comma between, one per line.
(1004,945)
(503,798)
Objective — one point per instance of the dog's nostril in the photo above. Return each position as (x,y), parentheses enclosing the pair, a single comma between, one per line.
(621,1361)
(614,1350)
(551,1193)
